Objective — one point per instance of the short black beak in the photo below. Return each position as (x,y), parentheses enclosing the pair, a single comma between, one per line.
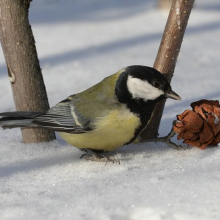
(171,94)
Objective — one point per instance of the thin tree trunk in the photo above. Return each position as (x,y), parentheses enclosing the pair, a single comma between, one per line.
(167,55)
(23,65)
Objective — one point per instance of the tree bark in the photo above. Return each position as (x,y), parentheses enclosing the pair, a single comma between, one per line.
(23,66)
(167,54)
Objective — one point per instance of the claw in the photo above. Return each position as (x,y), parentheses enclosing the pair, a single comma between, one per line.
(100,158)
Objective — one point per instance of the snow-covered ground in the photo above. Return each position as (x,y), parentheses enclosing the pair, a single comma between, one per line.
(79,42)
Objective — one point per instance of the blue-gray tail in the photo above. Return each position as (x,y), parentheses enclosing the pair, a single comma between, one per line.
(18,119)
(58,118)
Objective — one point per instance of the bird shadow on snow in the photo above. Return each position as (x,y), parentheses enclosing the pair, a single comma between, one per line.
(37,163)
(126,153)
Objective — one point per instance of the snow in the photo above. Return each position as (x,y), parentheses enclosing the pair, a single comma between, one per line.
(79,43)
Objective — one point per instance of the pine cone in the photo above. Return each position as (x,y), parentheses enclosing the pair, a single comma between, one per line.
(200,126)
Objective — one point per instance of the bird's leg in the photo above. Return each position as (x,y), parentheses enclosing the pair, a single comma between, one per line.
(167,140)
(94,155)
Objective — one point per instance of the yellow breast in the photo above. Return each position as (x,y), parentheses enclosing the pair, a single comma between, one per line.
(113,130)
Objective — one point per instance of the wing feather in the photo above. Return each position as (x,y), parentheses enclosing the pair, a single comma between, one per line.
(63,117)
(79,112)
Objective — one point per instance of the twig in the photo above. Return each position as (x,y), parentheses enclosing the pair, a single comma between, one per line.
(167,140)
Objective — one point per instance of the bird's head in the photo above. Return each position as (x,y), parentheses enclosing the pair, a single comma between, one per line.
(142,83)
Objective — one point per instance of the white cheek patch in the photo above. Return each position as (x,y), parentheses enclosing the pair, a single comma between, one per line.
(142,89)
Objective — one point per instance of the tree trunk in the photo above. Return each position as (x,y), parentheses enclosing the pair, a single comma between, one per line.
(23,65)
(167,55)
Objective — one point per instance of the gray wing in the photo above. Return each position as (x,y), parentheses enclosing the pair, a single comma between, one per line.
(64,117)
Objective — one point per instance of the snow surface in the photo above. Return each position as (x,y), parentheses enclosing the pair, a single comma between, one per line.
(80,42)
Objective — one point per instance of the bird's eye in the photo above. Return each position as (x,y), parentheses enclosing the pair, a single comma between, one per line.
(156,84)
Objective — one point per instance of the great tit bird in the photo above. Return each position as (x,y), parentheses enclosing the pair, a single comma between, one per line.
(106,116)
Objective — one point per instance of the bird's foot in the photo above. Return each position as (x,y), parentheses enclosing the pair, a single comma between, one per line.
(92,156)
